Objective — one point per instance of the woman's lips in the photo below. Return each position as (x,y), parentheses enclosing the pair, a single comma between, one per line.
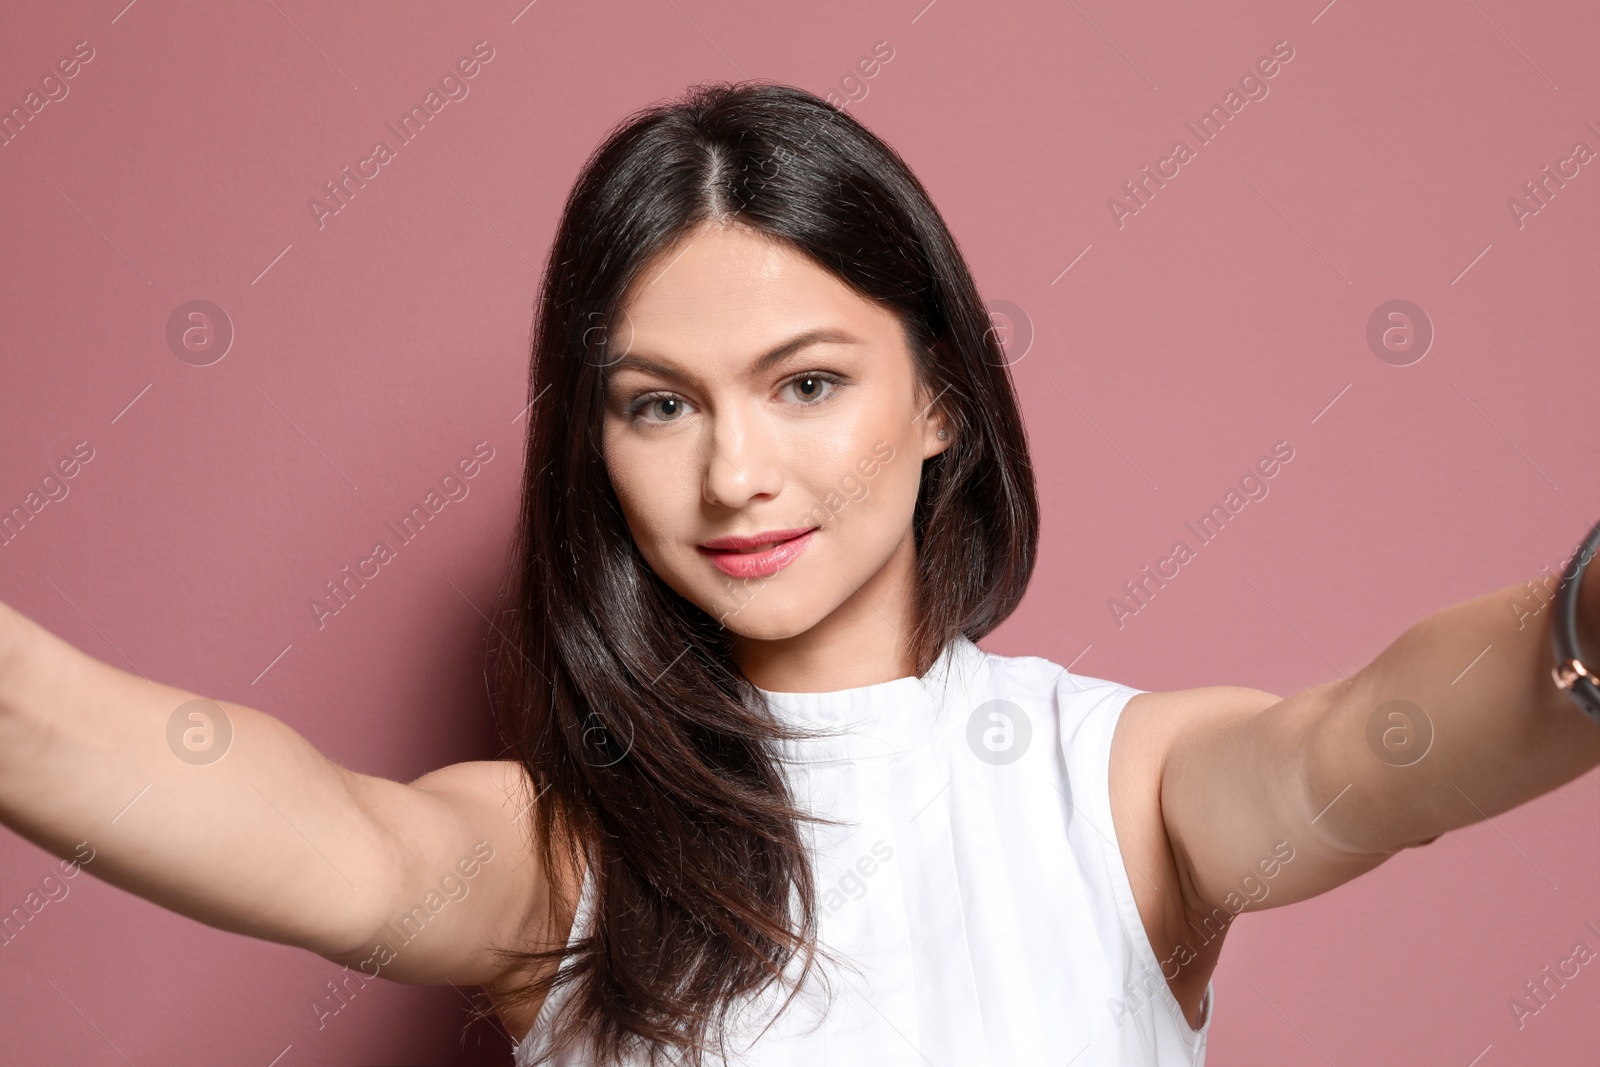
(761,563)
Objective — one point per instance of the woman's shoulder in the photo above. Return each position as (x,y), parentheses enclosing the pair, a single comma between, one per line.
(1042,677)
(1149,723)
(497,799)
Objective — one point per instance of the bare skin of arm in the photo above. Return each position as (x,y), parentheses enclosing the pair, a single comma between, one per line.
(273,839)
(1206,782)
(276,841)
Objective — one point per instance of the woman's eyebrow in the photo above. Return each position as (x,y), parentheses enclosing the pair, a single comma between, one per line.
(818,336)
(766,361)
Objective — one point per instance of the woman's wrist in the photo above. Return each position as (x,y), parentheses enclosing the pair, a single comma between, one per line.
(1589,611)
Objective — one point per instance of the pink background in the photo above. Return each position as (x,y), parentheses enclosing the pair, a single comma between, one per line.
(1228,314)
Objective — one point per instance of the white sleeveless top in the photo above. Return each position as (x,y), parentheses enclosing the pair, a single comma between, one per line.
(978,894)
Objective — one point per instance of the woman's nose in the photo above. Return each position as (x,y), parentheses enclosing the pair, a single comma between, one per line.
(744,459)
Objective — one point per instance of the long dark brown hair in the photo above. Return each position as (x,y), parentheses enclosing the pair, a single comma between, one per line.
(653,759)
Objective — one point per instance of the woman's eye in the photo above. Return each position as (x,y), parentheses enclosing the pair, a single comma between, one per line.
(668,407)
(813,388)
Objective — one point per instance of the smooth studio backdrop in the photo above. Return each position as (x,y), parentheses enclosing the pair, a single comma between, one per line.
(1164,337)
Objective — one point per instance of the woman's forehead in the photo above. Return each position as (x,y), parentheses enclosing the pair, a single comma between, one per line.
(743,305)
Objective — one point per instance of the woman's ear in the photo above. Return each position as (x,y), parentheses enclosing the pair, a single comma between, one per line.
(932,423)
(933,427)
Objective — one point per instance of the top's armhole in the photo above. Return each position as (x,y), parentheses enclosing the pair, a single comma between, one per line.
(1091,760)
(536,1041)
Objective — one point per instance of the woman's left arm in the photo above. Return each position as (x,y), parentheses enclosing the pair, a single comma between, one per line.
(1456,721)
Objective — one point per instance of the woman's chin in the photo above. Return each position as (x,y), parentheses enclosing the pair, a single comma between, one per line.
(778,618)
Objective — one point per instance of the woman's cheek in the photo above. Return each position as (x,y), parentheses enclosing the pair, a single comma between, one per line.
(650,528)
(894,492)
(636,505)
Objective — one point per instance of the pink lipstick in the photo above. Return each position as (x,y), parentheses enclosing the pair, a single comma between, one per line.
(757,556)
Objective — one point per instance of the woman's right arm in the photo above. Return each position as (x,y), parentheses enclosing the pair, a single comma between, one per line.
(273,839)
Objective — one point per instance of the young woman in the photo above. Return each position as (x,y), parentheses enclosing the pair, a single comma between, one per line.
(766,798)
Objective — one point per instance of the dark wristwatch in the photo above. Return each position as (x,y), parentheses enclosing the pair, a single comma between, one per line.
(1580,681)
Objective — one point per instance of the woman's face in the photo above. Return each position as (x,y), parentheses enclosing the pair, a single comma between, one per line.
(724,420)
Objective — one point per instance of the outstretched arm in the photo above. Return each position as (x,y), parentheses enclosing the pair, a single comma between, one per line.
(272,839)
(1456,721)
